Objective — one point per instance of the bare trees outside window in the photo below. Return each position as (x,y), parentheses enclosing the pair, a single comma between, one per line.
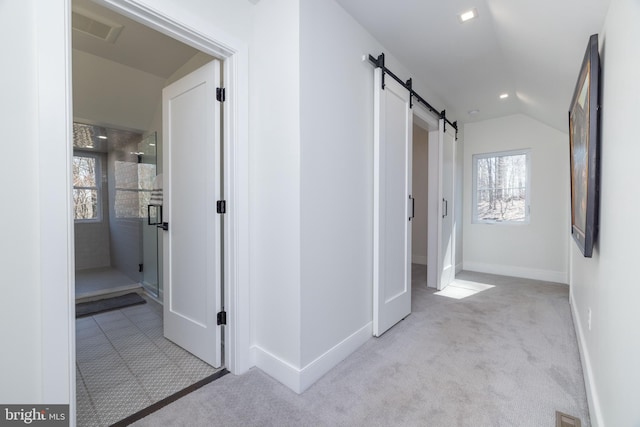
(86,178)
(501,187)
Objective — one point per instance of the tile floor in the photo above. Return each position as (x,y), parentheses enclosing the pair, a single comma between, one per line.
(124,364)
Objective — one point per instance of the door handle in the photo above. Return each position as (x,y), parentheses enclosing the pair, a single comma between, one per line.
(164,226)
(445,208)
(158,217)
(413,208)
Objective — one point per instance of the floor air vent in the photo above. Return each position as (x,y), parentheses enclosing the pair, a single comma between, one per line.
(564,420)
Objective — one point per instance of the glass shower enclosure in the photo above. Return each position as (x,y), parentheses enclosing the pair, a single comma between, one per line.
(123,238)
(151,209)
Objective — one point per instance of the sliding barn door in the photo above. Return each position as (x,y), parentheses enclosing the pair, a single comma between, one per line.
(446,218)
(392,204)
(192,242)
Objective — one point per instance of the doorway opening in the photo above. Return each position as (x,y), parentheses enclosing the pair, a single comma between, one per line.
(420,222)
(124,362)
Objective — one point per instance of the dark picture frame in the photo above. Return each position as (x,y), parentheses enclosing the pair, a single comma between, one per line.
(584,144)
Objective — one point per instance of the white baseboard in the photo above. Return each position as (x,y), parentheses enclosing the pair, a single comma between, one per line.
(277,368)
(419,259)
(595,410)
(527,273)
(323,364)
(299,380)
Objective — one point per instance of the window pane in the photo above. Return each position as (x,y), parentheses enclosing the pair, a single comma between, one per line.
(84,171)
(85,204)
(501,188)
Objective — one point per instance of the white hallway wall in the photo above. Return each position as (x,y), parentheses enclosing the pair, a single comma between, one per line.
(537,250)
(607,283)
(21,355)
(275,188)
(336,90)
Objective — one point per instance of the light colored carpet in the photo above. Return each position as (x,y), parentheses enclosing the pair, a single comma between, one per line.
(505,356)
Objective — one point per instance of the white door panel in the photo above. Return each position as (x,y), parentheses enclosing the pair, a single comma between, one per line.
(392,210)
(192,279)
(446,238)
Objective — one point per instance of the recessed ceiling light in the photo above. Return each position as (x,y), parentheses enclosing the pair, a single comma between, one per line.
(473,112)
(504,96)
(468,15)
(102,137)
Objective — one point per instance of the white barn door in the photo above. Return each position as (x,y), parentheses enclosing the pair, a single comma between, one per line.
(392,204)
(192,242)
(446,238)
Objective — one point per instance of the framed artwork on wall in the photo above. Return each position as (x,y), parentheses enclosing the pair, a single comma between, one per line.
(584,144)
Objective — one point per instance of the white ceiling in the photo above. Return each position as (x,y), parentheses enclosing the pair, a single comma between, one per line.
(137,46)
(530,49)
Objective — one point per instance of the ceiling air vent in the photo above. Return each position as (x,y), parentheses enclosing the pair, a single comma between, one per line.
(95,26)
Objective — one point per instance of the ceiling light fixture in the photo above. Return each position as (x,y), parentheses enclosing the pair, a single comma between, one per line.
(102,137)
(504,96)
(473,112)
(468,15)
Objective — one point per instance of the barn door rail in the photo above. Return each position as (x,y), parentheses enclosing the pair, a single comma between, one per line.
(408,85)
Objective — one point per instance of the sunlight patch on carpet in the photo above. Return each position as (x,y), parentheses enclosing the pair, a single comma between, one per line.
(460,289)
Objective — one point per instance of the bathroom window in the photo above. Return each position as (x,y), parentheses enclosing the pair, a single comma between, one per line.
(86,188)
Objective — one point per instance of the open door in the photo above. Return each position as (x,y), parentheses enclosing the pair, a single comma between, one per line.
(192,240)
(393,204)
(446,236)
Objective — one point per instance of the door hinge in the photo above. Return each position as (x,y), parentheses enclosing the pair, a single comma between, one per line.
(220,94)
(221,206)
(222,318)
(140,268)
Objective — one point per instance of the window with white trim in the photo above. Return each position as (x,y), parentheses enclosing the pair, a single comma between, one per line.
(501,183)
(86,187)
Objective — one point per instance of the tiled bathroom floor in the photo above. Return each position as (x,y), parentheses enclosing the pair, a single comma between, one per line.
(124,364)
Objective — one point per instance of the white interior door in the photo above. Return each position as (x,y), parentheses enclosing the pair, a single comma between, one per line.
(446,237)
(192,245)
(392,204)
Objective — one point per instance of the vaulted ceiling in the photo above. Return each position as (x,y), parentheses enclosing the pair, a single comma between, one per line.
(531,50)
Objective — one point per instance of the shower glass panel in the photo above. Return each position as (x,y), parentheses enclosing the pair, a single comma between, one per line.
(150,211)
(112,231)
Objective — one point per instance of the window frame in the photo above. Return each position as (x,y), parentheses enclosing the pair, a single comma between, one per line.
(98,178)
(474,184)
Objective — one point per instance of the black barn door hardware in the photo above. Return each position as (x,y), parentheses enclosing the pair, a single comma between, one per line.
(408,85)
